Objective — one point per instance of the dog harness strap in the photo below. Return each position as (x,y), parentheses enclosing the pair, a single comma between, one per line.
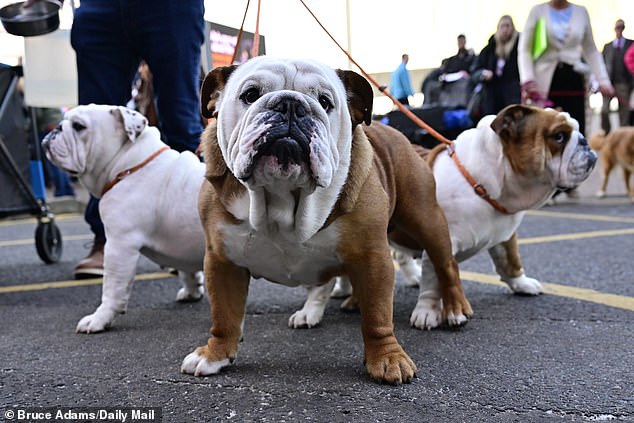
(479,189)
(126,172)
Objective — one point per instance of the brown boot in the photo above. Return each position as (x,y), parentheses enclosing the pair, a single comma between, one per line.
(92,265)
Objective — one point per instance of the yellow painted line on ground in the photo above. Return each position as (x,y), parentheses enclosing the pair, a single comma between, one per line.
(584,294)
(579,235)
(531,240)
(581,216)
(13,243)
(590,295)
(75,283)
(32,220)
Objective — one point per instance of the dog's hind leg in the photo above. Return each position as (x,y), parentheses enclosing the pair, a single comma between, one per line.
(313,311)
(508,264)
(407,265)
(443,294)
(192,289)
(627,175)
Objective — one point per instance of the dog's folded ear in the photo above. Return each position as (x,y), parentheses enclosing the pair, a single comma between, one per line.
(360,96)
(212,85)
(133,122)
(508,122)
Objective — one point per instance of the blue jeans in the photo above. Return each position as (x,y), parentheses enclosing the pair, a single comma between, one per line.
(111,37)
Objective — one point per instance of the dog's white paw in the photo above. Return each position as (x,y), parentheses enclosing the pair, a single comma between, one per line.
(525,286)
(99,321)
(198,365)
(185,295)
(307,317)
(427,314)
(409,268)
(456,319)
(600,194)
(342,289)
(193,287)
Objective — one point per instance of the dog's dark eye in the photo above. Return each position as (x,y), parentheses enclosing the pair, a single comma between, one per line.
(561,137)
(250,96)
(325,102)
(78,126)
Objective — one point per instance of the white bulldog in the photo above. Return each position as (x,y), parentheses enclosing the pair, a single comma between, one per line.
(520,157)
(148,200)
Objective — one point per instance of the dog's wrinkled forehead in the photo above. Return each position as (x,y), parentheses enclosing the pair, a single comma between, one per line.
(92,115)
(269,75)
(563,117)
(519,121)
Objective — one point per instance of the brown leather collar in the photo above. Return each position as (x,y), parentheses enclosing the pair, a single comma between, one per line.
(127,172)
(479,189)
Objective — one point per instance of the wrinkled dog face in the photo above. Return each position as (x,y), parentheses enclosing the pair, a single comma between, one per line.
(545,143)
(283,122)
(91,133)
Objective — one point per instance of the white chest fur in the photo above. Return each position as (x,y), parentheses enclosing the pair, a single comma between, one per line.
(280,260)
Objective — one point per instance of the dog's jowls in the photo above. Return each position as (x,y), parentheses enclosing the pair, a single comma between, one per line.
(152,211)
(299,191)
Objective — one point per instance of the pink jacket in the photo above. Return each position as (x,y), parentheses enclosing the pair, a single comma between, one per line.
(629,59)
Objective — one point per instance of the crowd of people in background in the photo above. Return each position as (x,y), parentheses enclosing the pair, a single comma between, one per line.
(553,62)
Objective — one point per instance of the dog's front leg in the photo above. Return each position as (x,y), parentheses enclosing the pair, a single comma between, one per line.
(373,283)
(120,260)
(228,287)
(508,264)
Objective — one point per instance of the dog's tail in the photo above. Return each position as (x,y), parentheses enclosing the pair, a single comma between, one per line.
(598,140)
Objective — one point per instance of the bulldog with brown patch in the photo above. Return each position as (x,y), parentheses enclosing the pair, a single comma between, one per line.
(485,182)
(298,191)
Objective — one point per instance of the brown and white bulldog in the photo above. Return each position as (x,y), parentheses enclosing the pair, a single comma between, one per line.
(518,159)
(615,149)
(298,191)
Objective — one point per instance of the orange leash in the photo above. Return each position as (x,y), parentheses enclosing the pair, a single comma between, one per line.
(479,189)
(131,170)
(382,88)
(235,49)
(256,35)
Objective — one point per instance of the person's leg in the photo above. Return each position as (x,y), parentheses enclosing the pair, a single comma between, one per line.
(106,64)
(622,92)
(170,36)
(567,90)
(605,113)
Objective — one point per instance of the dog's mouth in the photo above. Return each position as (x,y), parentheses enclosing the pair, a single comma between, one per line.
(284,145)
(282,154)
(286,150)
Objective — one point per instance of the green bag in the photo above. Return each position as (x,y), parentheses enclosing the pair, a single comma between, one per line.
(540,39)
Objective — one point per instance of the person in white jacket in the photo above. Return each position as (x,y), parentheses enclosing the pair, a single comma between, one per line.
(552,73)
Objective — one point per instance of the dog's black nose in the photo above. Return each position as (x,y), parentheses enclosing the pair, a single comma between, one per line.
(290,107)
(583,141)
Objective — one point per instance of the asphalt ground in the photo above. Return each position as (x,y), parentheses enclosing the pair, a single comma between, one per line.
(564,356)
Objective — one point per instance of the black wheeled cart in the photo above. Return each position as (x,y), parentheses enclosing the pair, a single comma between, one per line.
(22,188)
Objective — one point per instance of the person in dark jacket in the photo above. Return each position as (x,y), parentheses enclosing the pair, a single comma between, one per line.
(496,68)
(621,78)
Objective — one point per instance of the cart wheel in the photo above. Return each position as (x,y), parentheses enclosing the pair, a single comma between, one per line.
(48,242)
